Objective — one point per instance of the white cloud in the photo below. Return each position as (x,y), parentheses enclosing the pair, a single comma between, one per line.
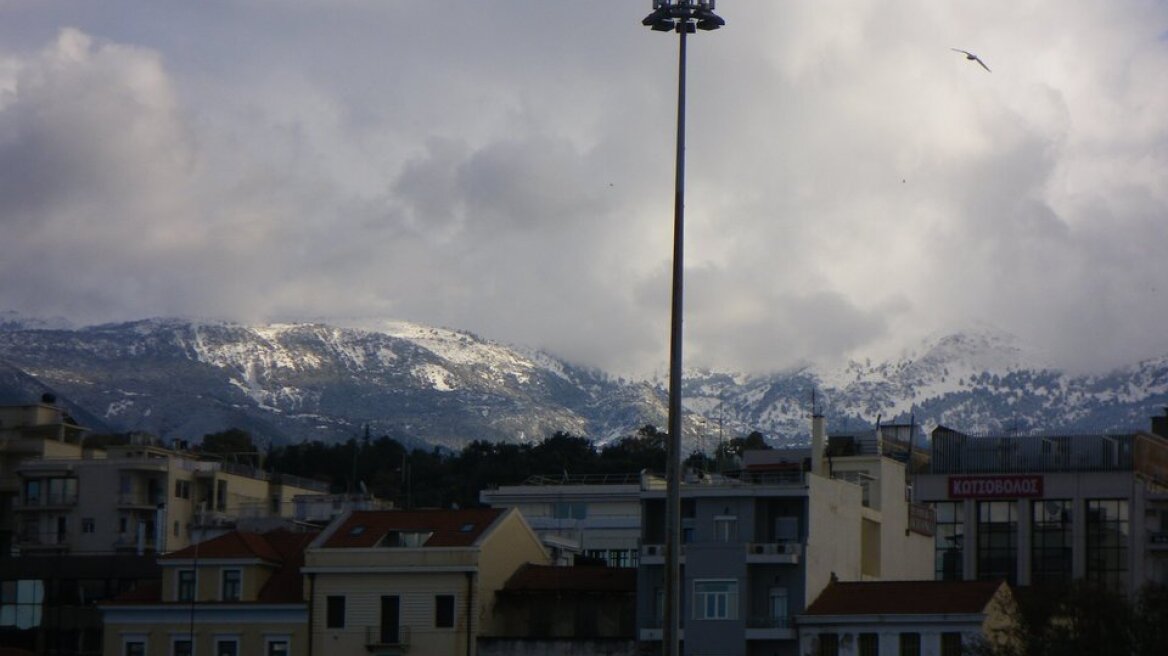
(508,168)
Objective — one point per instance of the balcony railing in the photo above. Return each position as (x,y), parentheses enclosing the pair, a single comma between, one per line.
(383,636)
(1158,539)
(47,501)
(129,499)
(42,539)
(768,622)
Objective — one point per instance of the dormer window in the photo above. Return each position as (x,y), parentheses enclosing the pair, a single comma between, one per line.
(466,528)
(357,531)
(406,539)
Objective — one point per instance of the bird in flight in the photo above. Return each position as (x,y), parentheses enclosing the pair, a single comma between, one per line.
(972,57)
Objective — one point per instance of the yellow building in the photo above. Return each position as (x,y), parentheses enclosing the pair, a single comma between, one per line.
(423,581)
(240,593)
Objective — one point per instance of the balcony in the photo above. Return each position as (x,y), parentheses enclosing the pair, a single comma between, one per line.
(140,501)
(42,540)
(1158,540)
(47,502)
(780,553)
(654,554)
(384,639)
(769,628)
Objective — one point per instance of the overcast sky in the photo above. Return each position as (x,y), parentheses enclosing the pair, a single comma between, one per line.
(506,167)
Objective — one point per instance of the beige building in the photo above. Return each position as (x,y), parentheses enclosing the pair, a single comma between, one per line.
(27,432)
(234,595)
(140,498)
(422,581)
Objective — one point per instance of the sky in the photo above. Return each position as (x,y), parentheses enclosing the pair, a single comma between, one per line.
(507,167)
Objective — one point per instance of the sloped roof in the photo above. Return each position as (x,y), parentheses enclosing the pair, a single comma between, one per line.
(233,545)
(281,548)
(536,579)
(448,528)
(904,598)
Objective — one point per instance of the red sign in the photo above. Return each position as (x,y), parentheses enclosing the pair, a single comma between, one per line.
(995,487)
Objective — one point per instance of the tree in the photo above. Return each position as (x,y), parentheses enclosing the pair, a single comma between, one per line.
(232,445)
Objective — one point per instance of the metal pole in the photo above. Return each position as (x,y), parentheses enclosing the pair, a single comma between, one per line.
(673,589)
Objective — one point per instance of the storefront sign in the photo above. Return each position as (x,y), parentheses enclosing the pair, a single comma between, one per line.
(995,487)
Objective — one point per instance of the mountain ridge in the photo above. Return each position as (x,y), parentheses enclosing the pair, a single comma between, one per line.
(430,386)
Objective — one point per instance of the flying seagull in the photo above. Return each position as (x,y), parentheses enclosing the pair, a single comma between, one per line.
(972,57)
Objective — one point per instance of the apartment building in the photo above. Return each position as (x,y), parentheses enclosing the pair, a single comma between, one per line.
(1049,509)
(594,516)
(234,595)
(761,543)
(141,498)
(422,581)
(27,432)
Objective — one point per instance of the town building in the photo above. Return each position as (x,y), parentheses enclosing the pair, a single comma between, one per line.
(761,543)
(422,581)
(597,517)
(583,609)
(1045,510)
(234,595)
(909,618)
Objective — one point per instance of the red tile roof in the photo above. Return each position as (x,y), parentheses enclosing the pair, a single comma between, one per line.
(535,579)
(904,597)
(448,528)
(281,548)
(235,545)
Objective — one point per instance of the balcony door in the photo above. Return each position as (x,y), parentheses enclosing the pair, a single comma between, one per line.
(390,610)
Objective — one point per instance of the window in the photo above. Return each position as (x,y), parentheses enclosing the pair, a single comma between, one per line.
(868,644)
(176,528)
(565,510)
(335,612)
(715,600)
(947,540)
(186,585)
(227,647)
(182,489)
(134,648)
(88,525)
(997,540)
(910,644)
(778,605)
(32,492)
(277,647)
(1107,538)
(950,644)
(828,644)
(21,603)
(181,647)
(1050,559)
(123,524)
(725,528)
(232,585)
(444,611)
(221,495)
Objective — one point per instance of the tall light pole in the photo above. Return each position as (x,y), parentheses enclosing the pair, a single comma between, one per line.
(684,17)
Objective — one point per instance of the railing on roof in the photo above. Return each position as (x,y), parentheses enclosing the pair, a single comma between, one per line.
(958,453)
(744,478)
(300,481)
(583,479)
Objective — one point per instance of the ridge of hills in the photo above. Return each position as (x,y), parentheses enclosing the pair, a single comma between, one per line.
(427,387)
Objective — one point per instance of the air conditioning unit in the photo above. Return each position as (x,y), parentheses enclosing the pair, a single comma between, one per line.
(652,550)
(759,548)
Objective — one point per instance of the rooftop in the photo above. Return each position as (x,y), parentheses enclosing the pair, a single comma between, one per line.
(904,598)
(365,529)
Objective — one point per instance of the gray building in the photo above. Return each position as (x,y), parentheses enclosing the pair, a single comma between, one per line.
(761,543)
(1049,509)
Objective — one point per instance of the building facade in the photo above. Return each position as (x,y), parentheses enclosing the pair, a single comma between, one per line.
(596,517)
(234,595)
(909,618)
(760,544)
(417,581)
(1047,510)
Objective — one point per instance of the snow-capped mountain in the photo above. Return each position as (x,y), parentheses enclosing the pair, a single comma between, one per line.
(424,385)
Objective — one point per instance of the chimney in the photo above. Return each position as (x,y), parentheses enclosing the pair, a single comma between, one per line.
(818,441)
